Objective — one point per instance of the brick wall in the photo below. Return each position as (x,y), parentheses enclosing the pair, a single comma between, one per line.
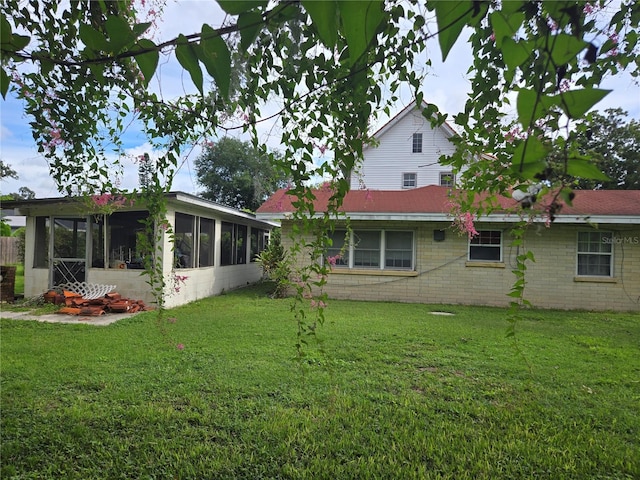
(444,276)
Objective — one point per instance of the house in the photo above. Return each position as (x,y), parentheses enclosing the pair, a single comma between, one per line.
(406,154)
(67,241)
(402,248)
(401,245)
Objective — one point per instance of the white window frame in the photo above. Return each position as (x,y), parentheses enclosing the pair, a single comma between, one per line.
(409,180)
(479,238)
(416,143)
(449,183)
(602,251)
(350,250)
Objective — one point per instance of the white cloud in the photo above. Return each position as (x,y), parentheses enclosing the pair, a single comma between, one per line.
(5,133)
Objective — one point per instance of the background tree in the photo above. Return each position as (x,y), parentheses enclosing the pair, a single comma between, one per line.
(612,142)
(236,174)
(6,171)
(24,193)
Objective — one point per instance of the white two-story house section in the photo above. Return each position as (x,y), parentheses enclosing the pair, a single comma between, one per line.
(407,155)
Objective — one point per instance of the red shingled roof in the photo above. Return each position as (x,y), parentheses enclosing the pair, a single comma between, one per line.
(436,199)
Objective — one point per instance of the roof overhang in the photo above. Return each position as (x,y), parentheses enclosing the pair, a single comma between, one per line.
(73,206)
(222,210)
(493,218)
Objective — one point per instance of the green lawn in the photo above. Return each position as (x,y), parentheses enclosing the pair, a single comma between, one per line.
(19,285)
(397,393)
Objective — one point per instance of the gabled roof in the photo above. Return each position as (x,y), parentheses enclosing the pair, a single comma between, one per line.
(448,130)
(435,203)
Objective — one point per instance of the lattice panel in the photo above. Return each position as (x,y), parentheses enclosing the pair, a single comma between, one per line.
(88,291)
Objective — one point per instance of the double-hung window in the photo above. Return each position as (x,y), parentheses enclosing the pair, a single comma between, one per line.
(338,253)
(486,246)
(447,179)
(595,254)
(372,249)
(398,251)
(409,180)
(366,252)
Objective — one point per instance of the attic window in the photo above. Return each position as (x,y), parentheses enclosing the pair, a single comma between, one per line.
(417,143)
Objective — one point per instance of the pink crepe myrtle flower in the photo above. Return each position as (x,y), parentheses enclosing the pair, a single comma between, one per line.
(464,222)
(615,40)
(55,138)
(318,304)
(331,260)
(109,200)
(368,196)
(178,281)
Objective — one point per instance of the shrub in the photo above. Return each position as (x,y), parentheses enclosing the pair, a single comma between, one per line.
(275,264)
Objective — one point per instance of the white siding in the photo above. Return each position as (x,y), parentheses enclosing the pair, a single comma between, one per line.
(384,165)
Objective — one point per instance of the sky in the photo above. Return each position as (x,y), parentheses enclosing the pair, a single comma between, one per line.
(446,86)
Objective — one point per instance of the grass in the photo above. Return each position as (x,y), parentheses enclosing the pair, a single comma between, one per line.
(395,392)
(19,285)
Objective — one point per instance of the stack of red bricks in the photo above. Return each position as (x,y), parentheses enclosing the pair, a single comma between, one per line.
(74,304)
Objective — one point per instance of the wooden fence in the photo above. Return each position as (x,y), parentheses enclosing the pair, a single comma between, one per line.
(9,250)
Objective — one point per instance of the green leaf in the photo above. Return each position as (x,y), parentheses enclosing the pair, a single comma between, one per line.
(93,39)
(512,6)
(140,28)
(528,157)
(5,30)
(532,106)
(566,48)
(147,62)
(575,103)
(584,169)
(14,43)
(236,7)
(515,53)
(451,18)
(98,71)
(360,22)
(46,66)
(324,17)
(215,56)
(249,24)
(120,34)
(505,25)
(5,81)
(186,55)
(567,195)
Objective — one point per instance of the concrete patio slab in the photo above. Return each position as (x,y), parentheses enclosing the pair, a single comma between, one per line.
(100,320)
